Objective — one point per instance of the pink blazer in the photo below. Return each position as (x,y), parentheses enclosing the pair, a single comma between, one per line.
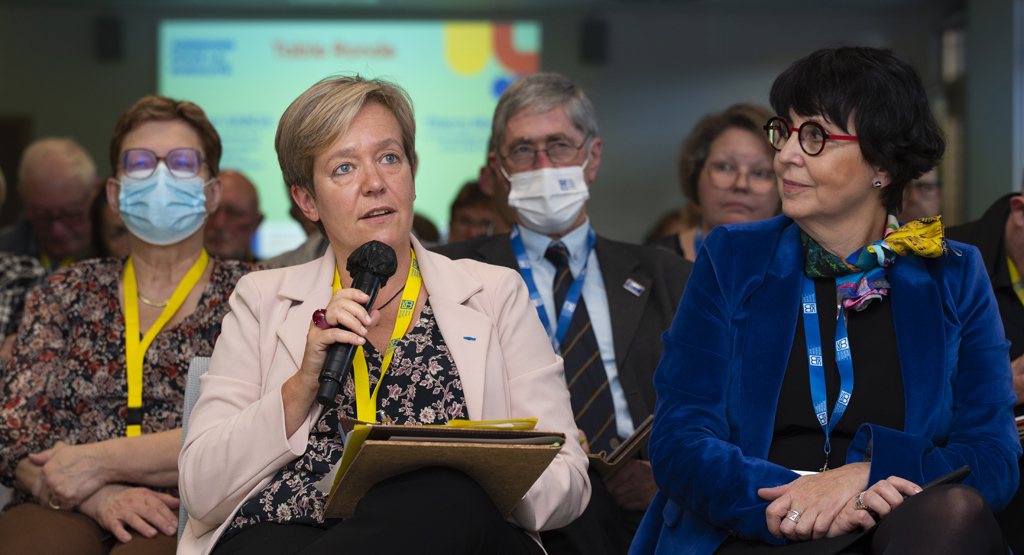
(236,438)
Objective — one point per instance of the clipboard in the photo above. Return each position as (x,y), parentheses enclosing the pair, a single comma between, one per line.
(607,464)
(505,462)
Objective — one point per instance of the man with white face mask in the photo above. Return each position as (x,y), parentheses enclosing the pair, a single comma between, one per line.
(604,303)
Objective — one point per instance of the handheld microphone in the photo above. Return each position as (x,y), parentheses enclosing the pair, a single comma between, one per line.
(370,267)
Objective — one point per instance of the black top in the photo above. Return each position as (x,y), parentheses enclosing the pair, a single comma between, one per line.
(798,441)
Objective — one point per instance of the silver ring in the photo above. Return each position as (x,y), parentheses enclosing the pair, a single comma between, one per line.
(54,506)
(793,516)
(859,504)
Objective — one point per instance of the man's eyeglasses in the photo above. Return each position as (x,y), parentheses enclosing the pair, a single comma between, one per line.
(725,174)
(65,217)
(811,134)
(140,163)
(522,156)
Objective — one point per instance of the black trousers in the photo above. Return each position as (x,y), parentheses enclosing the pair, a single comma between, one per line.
(433,510)
(604,528)
(950,519)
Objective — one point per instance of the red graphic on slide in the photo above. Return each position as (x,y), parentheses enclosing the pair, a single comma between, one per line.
(515,61)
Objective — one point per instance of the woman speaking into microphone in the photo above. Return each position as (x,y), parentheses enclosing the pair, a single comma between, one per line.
(443,340)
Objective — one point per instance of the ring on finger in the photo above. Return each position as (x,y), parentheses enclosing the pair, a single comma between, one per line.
(859,504)
(320,319)
(793,516)
(54,505)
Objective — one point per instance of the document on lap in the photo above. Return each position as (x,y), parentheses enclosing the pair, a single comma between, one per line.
(505,457)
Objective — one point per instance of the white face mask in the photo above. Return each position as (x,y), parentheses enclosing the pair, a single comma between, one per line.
(548,200)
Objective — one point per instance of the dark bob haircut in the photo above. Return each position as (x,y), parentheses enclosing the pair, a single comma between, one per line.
(888,103)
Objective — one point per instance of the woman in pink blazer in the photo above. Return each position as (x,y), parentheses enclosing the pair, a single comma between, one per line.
(258,441)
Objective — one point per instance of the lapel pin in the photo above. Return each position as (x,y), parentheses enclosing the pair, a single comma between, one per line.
(469,338)
(633,287)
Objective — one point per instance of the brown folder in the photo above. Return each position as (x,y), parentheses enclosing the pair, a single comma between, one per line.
(607,464)
(506,463)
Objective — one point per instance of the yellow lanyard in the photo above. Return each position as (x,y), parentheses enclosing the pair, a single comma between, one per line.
(366,402)
(1018,287)
(48,264)
(135,350)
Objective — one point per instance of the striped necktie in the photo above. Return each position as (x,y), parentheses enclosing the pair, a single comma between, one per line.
(590,395)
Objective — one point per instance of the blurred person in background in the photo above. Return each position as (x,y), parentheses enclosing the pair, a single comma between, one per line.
(472,214)
(229,230)
(55,181)
(725,169)
(109,234)
(670,224)
(922,197)
(18,277)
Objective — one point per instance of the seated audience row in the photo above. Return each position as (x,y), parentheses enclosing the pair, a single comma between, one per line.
(739,459)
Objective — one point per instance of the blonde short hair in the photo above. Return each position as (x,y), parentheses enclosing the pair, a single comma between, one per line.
(324,112)
(54,151)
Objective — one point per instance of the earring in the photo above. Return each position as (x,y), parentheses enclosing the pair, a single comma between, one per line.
(878,184)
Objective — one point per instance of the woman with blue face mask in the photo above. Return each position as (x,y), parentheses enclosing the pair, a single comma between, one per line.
(91,428)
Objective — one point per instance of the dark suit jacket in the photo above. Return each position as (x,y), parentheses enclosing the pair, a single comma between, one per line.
(726,356)
(637,322)
(989,234)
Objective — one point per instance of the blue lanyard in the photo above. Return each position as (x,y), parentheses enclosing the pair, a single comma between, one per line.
(817,369)
(572,296)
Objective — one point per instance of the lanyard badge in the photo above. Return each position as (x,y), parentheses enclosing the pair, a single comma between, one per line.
(366,401)
(135,349)
(572,297)
(816,367)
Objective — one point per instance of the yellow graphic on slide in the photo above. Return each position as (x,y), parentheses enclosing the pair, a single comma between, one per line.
(467,46)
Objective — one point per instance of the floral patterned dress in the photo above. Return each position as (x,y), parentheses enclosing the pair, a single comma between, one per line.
(422,386)
(67,379)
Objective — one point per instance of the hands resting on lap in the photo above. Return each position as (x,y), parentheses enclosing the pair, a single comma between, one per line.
(71,477)
(827,502)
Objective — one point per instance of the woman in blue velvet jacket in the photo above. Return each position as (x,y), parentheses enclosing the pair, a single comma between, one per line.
(749,392)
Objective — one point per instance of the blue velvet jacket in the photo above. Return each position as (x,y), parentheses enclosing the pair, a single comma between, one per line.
(725,355)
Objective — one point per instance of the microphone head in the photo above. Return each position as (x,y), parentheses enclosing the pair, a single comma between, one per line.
(374,258)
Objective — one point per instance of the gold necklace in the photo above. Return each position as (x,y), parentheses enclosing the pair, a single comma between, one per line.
(154,304)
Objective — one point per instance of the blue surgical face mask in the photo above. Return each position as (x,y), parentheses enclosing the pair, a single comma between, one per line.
(162,209)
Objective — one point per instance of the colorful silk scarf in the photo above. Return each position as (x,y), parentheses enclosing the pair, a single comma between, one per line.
(860,278)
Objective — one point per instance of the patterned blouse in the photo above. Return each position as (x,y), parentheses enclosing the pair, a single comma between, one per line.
(67,378)
(422,386)
(18,276)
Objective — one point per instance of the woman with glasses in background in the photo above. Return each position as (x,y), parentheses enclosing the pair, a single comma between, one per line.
(825,364)
(726,172)
(91,426)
